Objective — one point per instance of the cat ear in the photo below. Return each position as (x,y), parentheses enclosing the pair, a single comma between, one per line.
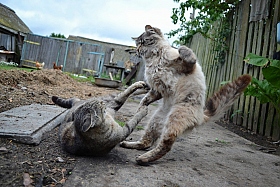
(134,38)
(87,124)
(147,27)
(158,31)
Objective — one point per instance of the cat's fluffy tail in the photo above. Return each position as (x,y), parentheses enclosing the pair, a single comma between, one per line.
(65,103)
(222,100)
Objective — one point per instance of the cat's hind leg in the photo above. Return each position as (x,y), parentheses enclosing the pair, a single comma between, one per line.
(180,119)
(152,132)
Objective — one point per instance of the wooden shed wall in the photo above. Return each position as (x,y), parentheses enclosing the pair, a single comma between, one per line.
(8,41)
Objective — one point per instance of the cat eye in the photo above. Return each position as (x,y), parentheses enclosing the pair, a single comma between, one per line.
(148,39)
(85,119)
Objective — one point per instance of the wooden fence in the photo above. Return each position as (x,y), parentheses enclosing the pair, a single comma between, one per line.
(73,55)
(76,54)
(246,37)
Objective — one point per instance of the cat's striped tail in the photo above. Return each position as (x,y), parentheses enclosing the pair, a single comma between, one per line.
(65,103)
(222,100)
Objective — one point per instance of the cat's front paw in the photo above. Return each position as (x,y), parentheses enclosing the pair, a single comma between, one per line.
(141,84)
(133,145)
(128,145)
(187,54)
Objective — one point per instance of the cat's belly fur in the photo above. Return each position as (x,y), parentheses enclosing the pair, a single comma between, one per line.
(175,87)
(162,80)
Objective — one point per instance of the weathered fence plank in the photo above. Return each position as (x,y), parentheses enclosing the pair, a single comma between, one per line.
(257,70)
(263,107)
(229,60)
(239,59)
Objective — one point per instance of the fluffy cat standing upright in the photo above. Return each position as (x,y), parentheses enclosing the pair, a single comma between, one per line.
(175,76)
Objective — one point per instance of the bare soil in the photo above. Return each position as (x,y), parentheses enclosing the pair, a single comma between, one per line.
(41,162)
(46,164)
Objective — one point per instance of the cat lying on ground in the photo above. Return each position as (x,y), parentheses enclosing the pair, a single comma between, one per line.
(175,76)
(89,127)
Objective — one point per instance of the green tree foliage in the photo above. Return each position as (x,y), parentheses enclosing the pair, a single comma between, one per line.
(57,35)
(208,11)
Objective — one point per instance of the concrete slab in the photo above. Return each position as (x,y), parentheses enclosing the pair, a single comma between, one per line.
(28,124)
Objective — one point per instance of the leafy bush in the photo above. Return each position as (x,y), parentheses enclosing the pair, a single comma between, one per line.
(268,89)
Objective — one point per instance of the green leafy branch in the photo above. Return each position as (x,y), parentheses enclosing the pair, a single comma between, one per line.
(267,90)
(209,11)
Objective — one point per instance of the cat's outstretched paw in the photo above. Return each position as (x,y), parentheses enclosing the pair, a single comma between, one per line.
(128,145)
(140,84)
(187,54)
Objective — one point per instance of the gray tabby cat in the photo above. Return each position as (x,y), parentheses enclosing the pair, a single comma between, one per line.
(175,76)
(89,127)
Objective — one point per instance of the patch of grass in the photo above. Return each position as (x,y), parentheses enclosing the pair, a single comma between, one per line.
(139,127)
(221,141)
(121,123)
(105,76)
(12,65)
(81,78)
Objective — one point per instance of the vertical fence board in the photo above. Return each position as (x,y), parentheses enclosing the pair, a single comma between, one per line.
(246,109)
(269,120)
(236,51)
(256,104)
(207,63)
(252,71)
(276,128)
(243,67)
(265,53)
(230,58)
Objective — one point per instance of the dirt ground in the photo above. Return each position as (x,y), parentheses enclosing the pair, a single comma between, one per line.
(41,162)
(46,164)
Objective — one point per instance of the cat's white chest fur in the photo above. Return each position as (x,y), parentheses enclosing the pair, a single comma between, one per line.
(157,73)
(161,78)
